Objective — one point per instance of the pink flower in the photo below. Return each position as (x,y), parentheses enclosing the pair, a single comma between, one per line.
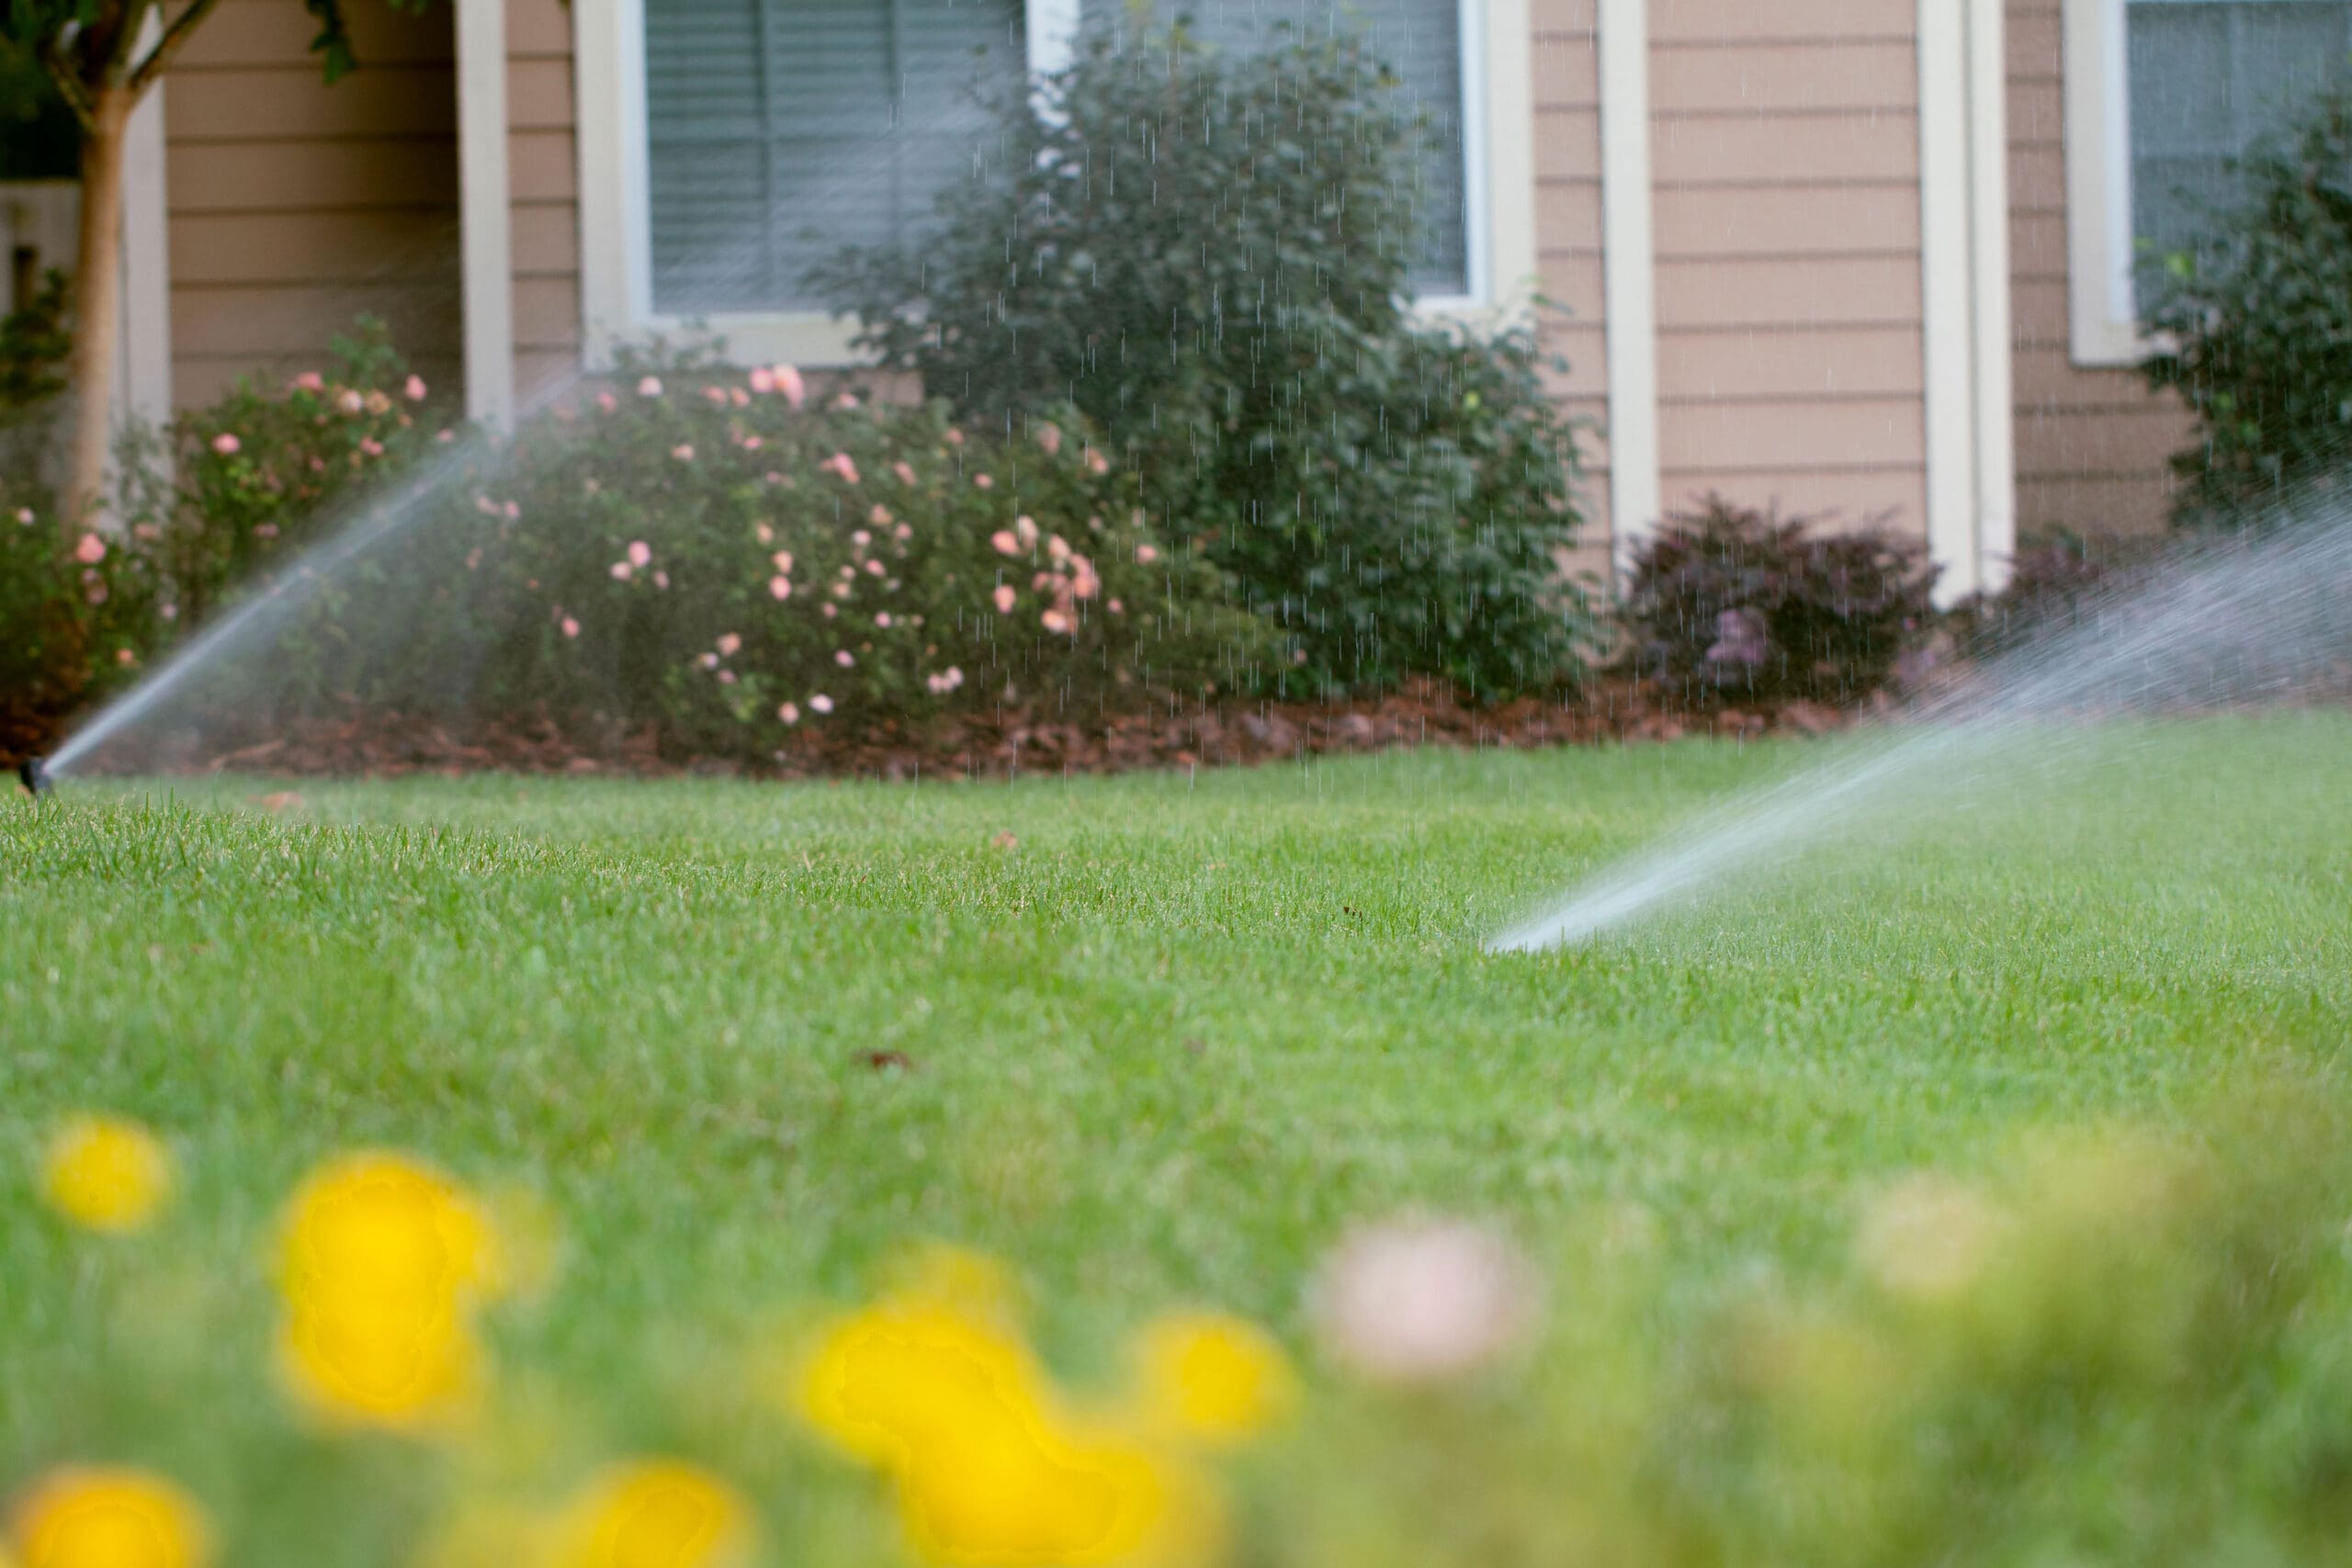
(1055,621)
(845,657)
(845,401)
(91,550)
(882,617)
(779,587)
(1026,526)
(728,644)
(903,532)
(763,379)
(445,436)
(788,382)
(709,662)
(1116,607)
(739,397)
(1146,553)
(1085,585)
(789,713)
(954,436)
(24,516)
(715,394)
(623,571)
(640,553)
(727,677)
(955,677)
(650,387)
(905,471)
(571,626)
(352,403)
(1096,463)
(1006,544)
(872,568)
(753,443)
(1003,597)
(880,516)
(683,451)
(983,482)
(169,612)
(839,463)
(821,703)
(826,611)
(607,403)
(125,656)
(1049,436)
(783,559)
(1058,549)
(373,448)
(660,580)
(513,510)
(414,389)
(860,538)
(96,593)
(310,381)
(1418,1301)
(227,445)
(762,533)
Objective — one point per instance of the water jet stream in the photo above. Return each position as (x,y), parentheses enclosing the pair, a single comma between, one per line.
(2247,619)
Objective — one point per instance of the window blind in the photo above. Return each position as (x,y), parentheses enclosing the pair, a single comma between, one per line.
(1421,40)
(2208,78)
(781,129)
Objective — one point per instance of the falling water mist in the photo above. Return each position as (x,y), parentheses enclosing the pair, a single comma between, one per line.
(2249,618)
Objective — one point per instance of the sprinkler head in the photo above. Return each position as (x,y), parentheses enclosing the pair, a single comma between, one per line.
(33,774)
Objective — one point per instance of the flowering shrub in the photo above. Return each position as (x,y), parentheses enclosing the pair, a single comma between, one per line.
(1730,604)
(76,619)
(713,556)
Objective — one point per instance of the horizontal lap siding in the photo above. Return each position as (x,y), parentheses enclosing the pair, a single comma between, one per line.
(1569,241)
(296,206)
(2092,444)
(1785,160)
(543,175)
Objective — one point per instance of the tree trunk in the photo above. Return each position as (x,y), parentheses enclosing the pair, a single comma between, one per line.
(98,303)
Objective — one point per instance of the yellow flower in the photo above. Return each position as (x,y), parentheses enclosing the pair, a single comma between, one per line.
(107,1173)
(109,1518)
(1212,1379)
(899,1380)
(384,1259)
(655,1513)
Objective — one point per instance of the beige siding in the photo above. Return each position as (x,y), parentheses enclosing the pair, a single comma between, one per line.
(295,206)
(543,172)
(1568,240)
(1785,159)
(2092,444)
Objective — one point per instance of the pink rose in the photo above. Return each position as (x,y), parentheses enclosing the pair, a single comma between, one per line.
(414,389)
(607,403)
(715,394)
(780,587)
(683,451)
(789,713)
(1096,463)
(821,703)
(882,618)
(373,448)
(1055,621)
(905,471)
(840,463)
(1006,544)
(227,445)
(788,382)
(640,553)
(1049,436)
(310,381)
(728,645)
(622,571)
(352,403)
(763,379)
(1146,553)
(845,657)
(1004,597)
(783,559)
(650,387)
(983,482)
(91,550)
(571,626)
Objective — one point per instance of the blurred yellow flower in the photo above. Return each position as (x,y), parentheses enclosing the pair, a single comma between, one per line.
(384,1259)
(655,1513)
(109,1518)
(935,1386)
(107,1173)
(1212,1379)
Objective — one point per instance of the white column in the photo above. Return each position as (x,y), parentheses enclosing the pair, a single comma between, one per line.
(1629,274)
(1946,265)
(143,374)
(485,214)
(1996,459)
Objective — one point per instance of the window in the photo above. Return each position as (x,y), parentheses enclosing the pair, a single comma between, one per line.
(727,145)
(2163,96)
(778,130)
(1421,41)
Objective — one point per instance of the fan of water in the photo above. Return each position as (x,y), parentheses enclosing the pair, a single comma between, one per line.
(2252,618)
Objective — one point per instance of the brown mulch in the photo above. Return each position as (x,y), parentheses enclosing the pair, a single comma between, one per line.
(1001,745)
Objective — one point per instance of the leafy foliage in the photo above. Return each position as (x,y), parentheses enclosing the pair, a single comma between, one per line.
(2258,312)
(33,345)
(1732,603)
(1209,256)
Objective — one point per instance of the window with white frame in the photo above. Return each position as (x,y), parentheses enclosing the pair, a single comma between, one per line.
(778,130)
(2164,98)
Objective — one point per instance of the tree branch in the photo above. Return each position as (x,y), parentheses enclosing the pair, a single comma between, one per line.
(69,83)
(159,59)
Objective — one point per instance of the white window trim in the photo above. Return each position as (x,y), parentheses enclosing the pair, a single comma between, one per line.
(616,223)
(2101,301)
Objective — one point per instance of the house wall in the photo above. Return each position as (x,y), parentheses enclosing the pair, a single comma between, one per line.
(2091,442)
(543,174)
(1786,167)
(1568,240)
(294,207)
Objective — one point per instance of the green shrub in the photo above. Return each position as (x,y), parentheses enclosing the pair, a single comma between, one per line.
(1731,603)
(1209,256)
(2258,314)
(77,619)
(34,343)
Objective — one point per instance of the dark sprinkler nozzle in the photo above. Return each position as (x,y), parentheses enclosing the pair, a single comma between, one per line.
(33,774)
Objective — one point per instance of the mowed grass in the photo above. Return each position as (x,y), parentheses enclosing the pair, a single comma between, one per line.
(749,1039)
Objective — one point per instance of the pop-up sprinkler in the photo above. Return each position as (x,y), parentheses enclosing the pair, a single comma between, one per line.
(33,774)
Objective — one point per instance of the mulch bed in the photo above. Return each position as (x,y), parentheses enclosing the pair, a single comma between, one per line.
(1005,745)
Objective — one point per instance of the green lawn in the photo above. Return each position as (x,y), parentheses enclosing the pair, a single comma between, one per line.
(1163,1050)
